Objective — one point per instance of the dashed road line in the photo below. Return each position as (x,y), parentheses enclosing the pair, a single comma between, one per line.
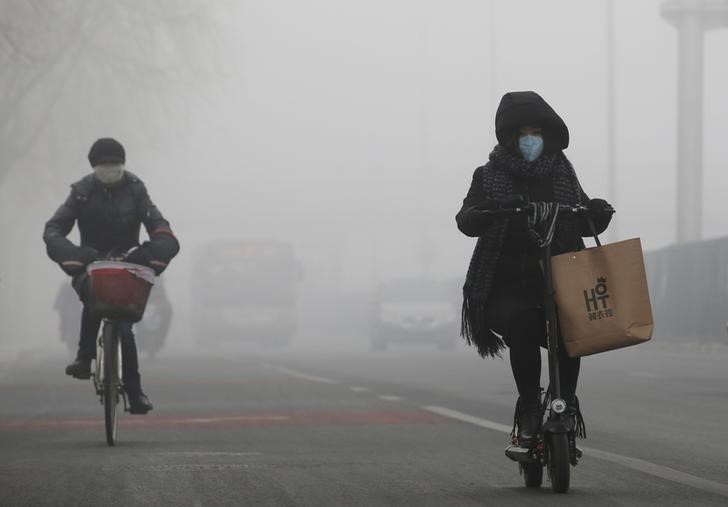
(645,374)
(640,465)
(470,419)
(208,453)
(390,397)
(359,389)
(70,423)
(660,471)
(306,376)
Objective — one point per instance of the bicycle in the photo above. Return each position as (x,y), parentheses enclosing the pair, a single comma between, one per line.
(118,291)
(556,448)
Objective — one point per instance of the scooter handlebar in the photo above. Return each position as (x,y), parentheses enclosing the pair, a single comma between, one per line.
(530,207)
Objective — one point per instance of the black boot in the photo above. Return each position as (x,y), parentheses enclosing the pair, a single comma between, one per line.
(138,402)
(574,418)
(528,419)
(80,368)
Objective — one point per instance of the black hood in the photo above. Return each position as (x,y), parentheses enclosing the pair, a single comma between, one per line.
(519,109)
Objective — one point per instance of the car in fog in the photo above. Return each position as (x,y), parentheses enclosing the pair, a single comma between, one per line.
(245,290)
(415,310)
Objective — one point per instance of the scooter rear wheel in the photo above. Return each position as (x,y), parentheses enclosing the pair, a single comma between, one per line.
(532,474)
(559,462)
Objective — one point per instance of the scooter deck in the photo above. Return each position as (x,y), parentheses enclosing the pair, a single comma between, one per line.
(533,455)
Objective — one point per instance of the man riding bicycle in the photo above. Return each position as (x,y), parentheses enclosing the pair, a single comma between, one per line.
(109,206)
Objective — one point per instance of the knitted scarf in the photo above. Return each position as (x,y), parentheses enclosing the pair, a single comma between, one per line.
(498,175)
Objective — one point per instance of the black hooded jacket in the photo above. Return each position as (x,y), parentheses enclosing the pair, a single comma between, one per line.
(109,219)
(521,109)
(509,266)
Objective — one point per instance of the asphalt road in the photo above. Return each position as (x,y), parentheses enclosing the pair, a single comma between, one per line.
(407,427)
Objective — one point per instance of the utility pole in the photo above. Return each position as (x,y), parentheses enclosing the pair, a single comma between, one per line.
(691,18)
(611,124)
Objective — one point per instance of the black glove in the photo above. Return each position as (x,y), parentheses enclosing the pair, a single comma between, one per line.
(87,255)
(598,206)
(72,268)
(513,201)
(139,255)
(144,257)
(78,259)
(487,205)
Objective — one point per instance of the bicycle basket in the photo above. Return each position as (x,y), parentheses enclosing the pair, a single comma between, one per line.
(119,290)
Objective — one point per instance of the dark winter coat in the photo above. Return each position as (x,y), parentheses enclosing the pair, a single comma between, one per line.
(519,256)
(109,219)
(505,259)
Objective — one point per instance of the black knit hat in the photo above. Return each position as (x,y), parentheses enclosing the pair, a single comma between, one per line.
(520,109)
(106,151)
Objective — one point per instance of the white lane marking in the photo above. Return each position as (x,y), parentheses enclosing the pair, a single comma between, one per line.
(358,389)
(241,418)
(471,419)
(207,453)
(189,467)
(640,465)
(142,422)
(306,376)
(660,471)
(645,374)
(389,397)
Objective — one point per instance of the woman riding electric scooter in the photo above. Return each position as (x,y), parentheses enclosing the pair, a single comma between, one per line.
(504,290)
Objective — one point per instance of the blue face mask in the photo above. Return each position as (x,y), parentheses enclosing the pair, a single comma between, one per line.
(531,147)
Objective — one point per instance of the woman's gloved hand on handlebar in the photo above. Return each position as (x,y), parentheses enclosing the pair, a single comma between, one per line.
(599,206)
(510,201)
(601,212)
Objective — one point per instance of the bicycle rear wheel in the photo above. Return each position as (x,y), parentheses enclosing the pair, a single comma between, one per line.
(111,380)
(559,462)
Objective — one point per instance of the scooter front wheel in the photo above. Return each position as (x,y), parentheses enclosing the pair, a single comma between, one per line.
(559,462)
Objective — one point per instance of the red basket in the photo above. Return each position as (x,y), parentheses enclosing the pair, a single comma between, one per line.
(119,290)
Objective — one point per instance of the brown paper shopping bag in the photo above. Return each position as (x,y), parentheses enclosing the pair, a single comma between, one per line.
(602,298)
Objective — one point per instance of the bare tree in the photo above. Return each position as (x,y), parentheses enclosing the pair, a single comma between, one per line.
(124,58)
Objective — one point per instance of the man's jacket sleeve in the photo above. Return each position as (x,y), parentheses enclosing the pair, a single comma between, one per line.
(58,246)
(162,246)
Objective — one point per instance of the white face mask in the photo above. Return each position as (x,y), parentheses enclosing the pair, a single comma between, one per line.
(108,174)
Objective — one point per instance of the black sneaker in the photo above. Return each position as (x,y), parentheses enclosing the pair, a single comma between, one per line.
(79,368)
(138,403)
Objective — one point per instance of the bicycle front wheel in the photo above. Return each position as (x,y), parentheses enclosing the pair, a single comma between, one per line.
(111,380)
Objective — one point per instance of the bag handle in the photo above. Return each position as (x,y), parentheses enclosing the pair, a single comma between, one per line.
(593,229)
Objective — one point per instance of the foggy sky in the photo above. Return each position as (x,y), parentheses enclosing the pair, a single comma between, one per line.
(352,129)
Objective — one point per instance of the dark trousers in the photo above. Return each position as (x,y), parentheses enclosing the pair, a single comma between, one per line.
(90,326)
(521,322)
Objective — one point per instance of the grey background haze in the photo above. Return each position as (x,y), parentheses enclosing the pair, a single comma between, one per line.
(348,128)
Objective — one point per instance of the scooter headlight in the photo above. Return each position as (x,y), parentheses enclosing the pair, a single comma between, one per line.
(558,406)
